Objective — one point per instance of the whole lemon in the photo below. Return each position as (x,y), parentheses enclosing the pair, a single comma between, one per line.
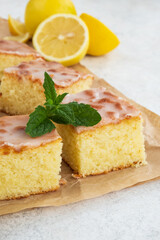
(38,10)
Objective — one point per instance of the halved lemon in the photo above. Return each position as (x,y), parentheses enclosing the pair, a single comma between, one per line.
(63,38)
(21,38)
(16,27)
(102,39)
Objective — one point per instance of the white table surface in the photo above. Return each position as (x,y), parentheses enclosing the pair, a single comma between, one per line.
(133,68)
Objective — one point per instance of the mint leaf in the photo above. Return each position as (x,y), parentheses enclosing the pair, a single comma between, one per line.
(60,98)
(49,88)
(76,114)
(63,115)
(39,123)
(84,114)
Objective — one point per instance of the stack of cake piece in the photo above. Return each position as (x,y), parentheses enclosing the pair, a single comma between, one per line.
(22,85)
(32,165)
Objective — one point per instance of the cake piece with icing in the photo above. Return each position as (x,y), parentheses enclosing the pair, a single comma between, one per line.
(28,165)
(22,86)
(116,142)
(12,53)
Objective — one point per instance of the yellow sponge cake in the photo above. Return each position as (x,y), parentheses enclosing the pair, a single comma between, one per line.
(27,165)
(116,142)
(22,86)
(12,53)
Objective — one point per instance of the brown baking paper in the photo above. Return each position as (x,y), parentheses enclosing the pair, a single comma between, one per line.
(90,187)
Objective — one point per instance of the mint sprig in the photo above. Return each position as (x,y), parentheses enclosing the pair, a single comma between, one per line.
(73,113)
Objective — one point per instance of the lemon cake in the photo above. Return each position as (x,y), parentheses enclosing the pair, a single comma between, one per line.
(27,165)
(22,86)
(116,142)
(12,53)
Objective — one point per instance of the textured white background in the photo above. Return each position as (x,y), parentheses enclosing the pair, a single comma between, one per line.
(133,68)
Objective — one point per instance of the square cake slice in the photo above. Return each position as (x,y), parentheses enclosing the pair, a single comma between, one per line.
(22,86)
(27,165)
(12,53)
(116,142)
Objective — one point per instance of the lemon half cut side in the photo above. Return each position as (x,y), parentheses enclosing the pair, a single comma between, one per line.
(63,38)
